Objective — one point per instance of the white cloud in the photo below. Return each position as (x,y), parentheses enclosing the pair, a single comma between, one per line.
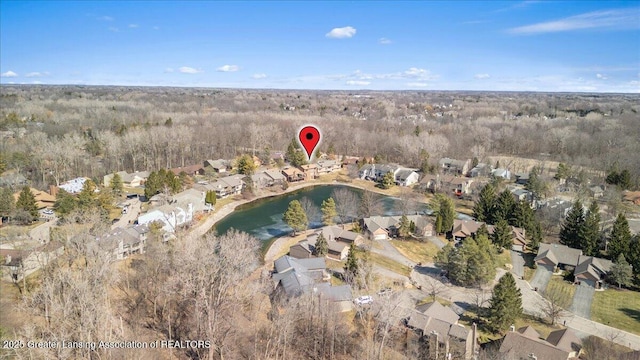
(358,82)
(8,74)
(417,84)
(601,77)
(228,68)
(384,41)
(106,18)
(415,72)
(259,76)
(168,70)
(481,76)
(133,26)
(341,33)
(611,19)
(189,70)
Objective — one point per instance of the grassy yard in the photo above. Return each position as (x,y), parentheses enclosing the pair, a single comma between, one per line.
(389,264)
(617,308)
(559,286)
(502,259)
(416,251)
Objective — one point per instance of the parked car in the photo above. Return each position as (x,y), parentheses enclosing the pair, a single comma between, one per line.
(47,212)
(363,300)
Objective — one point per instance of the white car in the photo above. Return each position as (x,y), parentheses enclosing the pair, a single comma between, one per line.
(363,300)
(47,212)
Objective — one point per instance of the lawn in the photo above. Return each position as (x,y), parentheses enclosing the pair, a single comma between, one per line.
(416,251)
(617,308)
(502,259)
(389,264)
(558,286)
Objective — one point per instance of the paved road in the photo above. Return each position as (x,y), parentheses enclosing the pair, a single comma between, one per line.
(582,300)
(436,240)
(518,264)
(541,278)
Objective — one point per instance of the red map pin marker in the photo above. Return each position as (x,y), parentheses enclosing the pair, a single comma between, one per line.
(309,137)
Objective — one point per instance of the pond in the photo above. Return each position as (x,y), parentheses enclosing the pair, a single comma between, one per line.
(262,218)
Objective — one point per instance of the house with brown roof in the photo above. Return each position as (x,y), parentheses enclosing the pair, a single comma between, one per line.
(338,239)
(554,256)
(293,174)
(190,170)
(526,343)
(437,327)
(592,270)
(44,200)
(588,269)
(310,171)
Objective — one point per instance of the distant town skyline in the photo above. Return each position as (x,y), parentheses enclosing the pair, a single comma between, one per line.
(572,46)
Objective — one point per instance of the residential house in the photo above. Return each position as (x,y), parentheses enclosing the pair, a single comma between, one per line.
(553,208)
(294,277)
(43,199)
(526,343)
(134,179)
(501,173)
(385,227)
(123,242)
(520,194)
(453,166)
(552,256)
(597,191)
(17,264)
(190,170)
(463,229)
(191,196)
(376,172)
(310,171)
(73,186)
(438,328)
(592,270)
(522,179)
(301,250)
(457,185)
(338,239)
(328,166)
(170,215)
(519,239)
(223,187)
(480,170)
(219,166)
(267,178)
(293,174)
(406,177)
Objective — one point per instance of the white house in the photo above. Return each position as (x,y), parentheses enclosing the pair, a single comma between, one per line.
(171,216)
(406,177)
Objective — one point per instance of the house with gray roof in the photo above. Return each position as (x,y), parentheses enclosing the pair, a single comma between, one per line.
(526,343)
(328,166)
(295,277)
(406,177)
(433,324)
(223,187)
(556,255)
(480,170)
(453,166)
(123,242)
(219,166)
(592,270)
(588,269)
(338,239)
(385,227)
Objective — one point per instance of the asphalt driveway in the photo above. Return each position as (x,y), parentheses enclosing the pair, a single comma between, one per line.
(541,279)
(582,300)
(518,263)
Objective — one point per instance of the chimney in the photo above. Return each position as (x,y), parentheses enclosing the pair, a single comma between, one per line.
(53,190)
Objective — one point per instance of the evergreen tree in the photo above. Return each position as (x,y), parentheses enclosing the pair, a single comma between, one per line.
(504,207)
(295,217)
(65,203)
(329,211)
(116,184)
(536,184)
(387,181)
(294,154)
(483,210)
(245,165)
(404,229)
(87,197)
(210,197)
(322,247)
(7,202)
(620,237)
(153,185)
(441,259)
(482,231)
(438,225)
(535,235)
(563,171)
(446,212)
(570,232)
(27,202)
(356,228)
(523,216)
(505,304)
(351,266)
(502,235)
(589,233)
(621,272)
(634,254)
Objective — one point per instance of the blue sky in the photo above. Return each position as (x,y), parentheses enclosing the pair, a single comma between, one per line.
(587,46)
